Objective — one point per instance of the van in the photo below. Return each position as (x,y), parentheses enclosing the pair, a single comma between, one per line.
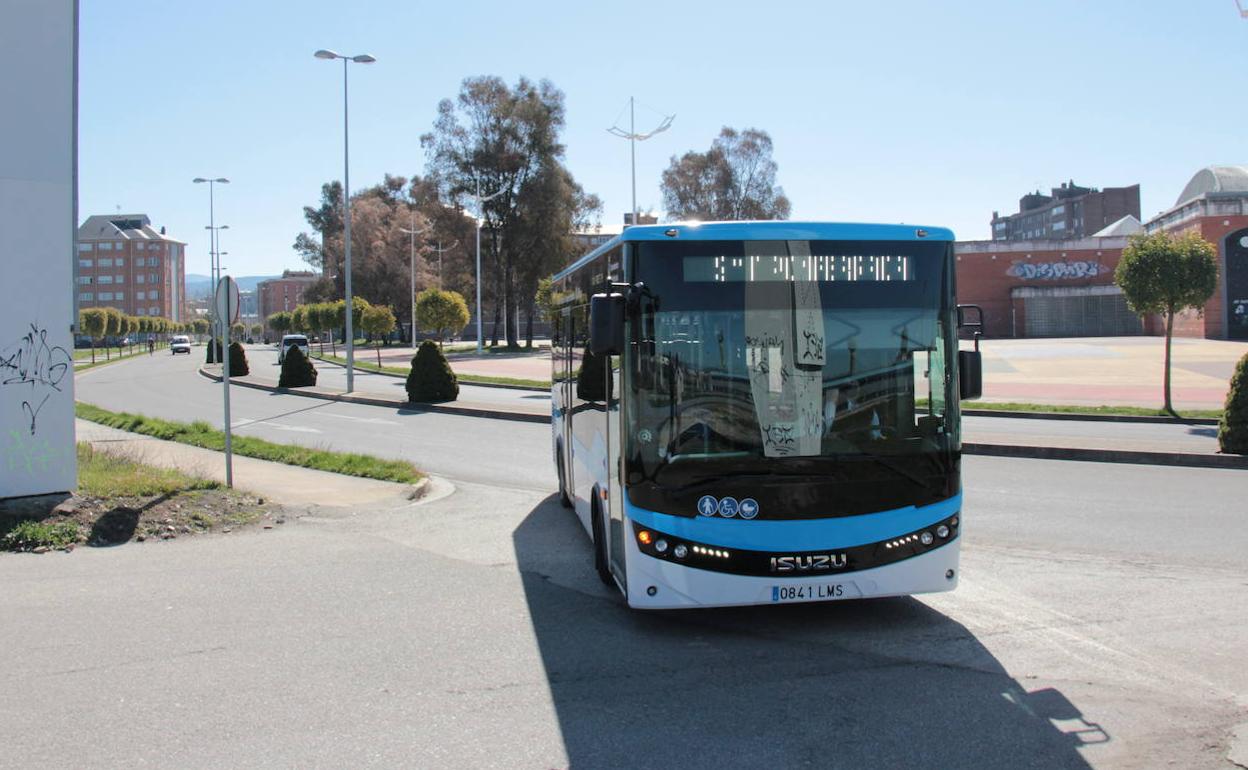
(290,340)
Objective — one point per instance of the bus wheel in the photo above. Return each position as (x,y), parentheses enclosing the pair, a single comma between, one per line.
(564,498)
(600,545)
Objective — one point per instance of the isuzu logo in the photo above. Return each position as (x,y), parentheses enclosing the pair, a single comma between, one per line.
(812,563)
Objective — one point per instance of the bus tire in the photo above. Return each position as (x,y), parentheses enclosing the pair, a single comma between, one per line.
(600,544)
(564,498)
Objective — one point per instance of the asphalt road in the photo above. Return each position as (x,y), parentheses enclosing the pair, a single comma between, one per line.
(1099,622)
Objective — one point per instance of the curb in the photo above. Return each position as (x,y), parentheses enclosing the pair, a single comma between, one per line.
(1146,418)
(1130,457)
(465,411)
(462,382)
(1179,459)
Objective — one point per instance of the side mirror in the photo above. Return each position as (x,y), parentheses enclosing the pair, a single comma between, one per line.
(606,324)
(970,374)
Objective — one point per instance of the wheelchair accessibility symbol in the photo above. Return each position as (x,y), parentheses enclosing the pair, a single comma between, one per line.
(728,507)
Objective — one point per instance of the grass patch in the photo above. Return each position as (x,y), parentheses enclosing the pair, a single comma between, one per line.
(1132,411)
(106,475)
(401,371)
(27,535)
(201,434)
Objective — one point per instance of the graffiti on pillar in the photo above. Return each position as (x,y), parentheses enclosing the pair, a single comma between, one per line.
(32,371)
(1056,271)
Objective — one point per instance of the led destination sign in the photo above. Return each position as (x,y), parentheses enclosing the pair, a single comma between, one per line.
(831,268)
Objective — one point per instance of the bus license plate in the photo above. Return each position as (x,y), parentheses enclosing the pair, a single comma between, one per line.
(811,592)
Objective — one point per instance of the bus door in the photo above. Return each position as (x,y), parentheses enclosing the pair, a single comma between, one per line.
(566,380)
(615,479)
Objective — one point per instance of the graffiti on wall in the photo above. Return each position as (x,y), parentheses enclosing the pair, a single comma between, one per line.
(1056,271)
(32,370)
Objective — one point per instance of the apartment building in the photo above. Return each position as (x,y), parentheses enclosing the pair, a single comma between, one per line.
(1068,212)
(124,262)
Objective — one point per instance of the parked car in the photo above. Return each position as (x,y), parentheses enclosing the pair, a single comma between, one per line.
(289,340)
(180,344)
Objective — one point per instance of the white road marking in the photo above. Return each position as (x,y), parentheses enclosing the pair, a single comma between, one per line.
(367,420)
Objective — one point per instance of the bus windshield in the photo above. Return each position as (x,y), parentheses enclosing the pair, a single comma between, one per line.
(793,358)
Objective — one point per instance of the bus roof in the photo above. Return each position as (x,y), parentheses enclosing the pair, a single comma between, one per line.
(769,230)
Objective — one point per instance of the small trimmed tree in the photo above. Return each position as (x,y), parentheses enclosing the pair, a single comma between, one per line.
(431,379)
(255,330)
(441,311)
(297,370)
(1233,428)
(237,329)
(279,322)
(114,329)
(1166,274)
(238,360)
(94,322)
(377,321)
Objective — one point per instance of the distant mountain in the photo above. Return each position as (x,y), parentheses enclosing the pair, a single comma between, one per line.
(201,285)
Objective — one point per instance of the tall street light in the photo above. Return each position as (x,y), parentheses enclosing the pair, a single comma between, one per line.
(346,203)
(480,216)
(442,251)
(411,236)
(633,138)
(212,241)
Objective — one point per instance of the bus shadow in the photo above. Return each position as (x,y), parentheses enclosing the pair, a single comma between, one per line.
(878,683)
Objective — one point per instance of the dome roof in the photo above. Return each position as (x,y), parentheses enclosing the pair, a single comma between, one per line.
(1215,179)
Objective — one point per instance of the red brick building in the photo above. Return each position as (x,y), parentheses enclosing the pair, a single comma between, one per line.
(1046,288)
(285,293)
(1065,288)
(124,262)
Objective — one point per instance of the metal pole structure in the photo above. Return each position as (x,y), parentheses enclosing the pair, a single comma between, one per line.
(346,206)
(441,251)
(225,384)
(480,216)
(213,258)
(412,233)
(633,138)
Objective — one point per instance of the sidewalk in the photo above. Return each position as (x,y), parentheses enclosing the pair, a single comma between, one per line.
(285,484)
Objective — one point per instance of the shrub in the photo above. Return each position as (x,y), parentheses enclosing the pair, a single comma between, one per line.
(431,378)
(214,352)
(238,361)
(1233,429)
(297,370)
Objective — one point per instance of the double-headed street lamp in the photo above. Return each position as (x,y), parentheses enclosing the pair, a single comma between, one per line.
(212,239)
(633,138)
(346,203)
(480,216)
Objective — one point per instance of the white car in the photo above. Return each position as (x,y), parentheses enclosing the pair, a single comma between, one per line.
(180,344)
(290,340)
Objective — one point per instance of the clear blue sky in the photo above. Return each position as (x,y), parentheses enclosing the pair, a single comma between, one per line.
(933,113)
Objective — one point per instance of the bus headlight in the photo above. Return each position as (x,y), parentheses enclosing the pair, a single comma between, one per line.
(943,531)
(680,551)
(926,538)
(660,545)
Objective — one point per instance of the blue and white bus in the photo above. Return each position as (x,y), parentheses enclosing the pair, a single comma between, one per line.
(756,412)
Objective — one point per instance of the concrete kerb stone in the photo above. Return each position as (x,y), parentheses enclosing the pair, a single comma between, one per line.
(1182,459)
(1144,418)
(501,385)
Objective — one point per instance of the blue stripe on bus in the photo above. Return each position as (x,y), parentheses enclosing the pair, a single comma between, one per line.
(796,534)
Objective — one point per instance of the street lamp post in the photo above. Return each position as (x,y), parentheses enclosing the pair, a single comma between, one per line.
(442,251)
(412,233)
(633,138)
(212,239)
(346,205)
(480,216)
